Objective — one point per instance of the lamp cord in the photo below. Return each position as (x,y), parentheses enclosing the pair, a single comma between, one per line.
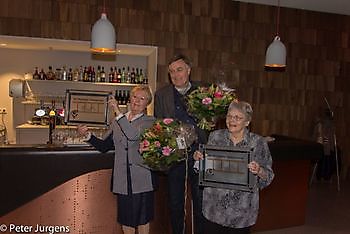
(278,17)
(104,6)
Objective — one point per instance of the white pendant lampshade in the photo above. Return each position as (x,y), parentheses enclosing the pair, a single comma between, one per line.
(103,36)
(276,54)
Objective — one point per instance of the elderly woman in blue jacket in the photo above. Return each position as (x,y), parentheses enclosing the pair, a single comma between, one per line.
(132,182)
(228,210)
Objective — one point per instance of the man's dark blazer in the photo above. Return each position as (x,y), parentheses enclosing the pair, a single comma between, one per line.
(164,105)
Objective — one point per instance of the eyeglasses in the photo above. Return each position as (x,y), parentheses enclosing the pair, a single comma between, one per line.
(235,118)
(139,98)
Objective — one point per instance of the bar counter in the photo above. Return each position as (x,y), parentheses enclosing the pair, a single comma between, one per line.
(70,186)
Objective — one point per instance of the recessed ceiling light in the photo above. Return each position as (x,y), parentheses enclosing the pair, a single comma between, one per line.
(3,44)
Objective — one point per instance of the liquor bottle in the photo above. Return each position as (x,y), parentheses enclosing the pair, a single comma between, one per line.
(115,75)
(89,74)
(128,75)
(111,76)
(64,73)
(85,75)
(141,77)
(103,75)
(127,97)
(145,78)
(93,75)
(117,95)
(137,76)
(50,74)
(98,74)
(42,74)
(123,78)
(122,97)
(119,76)
(70,74)
(81,74)
(133,80)
(76,74)
(36,75)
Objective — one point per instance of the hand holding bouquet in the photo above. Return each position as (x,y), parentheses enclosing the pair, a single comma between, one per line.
(209,103)
(164,144)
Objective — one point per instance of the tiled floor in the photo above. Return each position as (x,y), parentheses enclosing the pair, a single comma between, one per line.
(328,210)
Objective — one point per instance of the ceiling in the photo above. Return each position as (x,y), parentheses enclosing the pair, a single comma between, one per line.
(341,7)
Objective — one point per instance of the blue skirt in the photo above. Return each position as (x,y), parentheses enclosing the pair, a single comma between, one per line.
(135,209)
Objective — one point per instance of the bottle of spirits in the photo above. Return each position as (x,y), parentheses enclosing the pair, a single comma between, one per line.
(70,74)
(141,77)
(119,76)
(42,75)
(128,75)
(64,73)
(76,74)
(36,75)
(145,78)
(111,76)
(93,75)
(98,74)
(81,73)
(115,75)
(85,76)
(133,80)
(50,74)
(89,74)
(123,78)
(103,75)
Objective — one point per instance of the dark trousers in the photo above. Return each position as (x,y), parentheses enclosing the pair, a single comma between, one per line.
(176,188)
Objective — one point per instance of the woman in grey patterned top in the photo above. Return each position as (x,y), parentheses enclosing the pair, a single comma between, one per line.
(233,211)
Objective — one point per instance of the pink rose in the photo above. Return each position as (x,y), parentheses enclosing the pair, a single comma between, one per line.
(158,127)
(145,143)
(168,121)
(166,150)
(206,101)
(157,143)
(218,95)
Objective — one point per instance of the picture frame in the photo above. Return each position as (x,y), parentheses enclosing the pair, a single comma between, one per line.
(226,167)
(86,107)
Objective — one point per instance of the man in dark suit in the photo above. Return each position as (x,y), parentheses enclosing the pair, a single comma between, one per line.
(170,103)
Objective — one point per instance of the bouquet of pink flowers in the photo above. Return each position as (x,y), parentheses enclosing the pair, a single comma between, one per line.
(207,104)
(164,144)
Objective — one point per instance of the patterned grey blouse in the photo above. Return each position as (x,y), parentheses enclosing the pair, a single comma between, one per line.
(231,208)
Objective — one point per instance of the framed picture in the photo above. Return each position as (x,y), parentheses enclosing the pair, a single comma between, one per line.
(226,167)
(87,107)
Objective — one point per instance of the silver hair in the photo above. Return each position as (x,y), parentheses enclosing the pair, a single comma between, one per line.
(243,107)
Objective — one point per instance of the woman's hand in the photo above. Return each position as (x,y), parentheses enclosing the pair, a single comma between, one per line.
(83,130)
(143,146)
(255,168)
(113,105)
(197,155)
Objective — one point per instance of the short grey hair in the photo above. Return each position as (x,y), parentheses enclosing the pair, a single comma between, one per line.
(144,88)
(243,107)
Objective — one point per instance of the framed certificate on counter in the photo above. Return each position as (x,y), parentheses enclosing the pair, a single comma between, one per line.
(87,107)
(226,167)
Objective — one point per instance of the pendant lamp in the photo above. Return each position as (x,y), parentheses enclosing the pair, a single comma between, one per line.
(103,38)
(276,52)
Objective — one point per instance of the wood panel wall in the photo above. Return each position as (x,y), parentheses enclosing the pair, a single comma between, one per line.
(227,41)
